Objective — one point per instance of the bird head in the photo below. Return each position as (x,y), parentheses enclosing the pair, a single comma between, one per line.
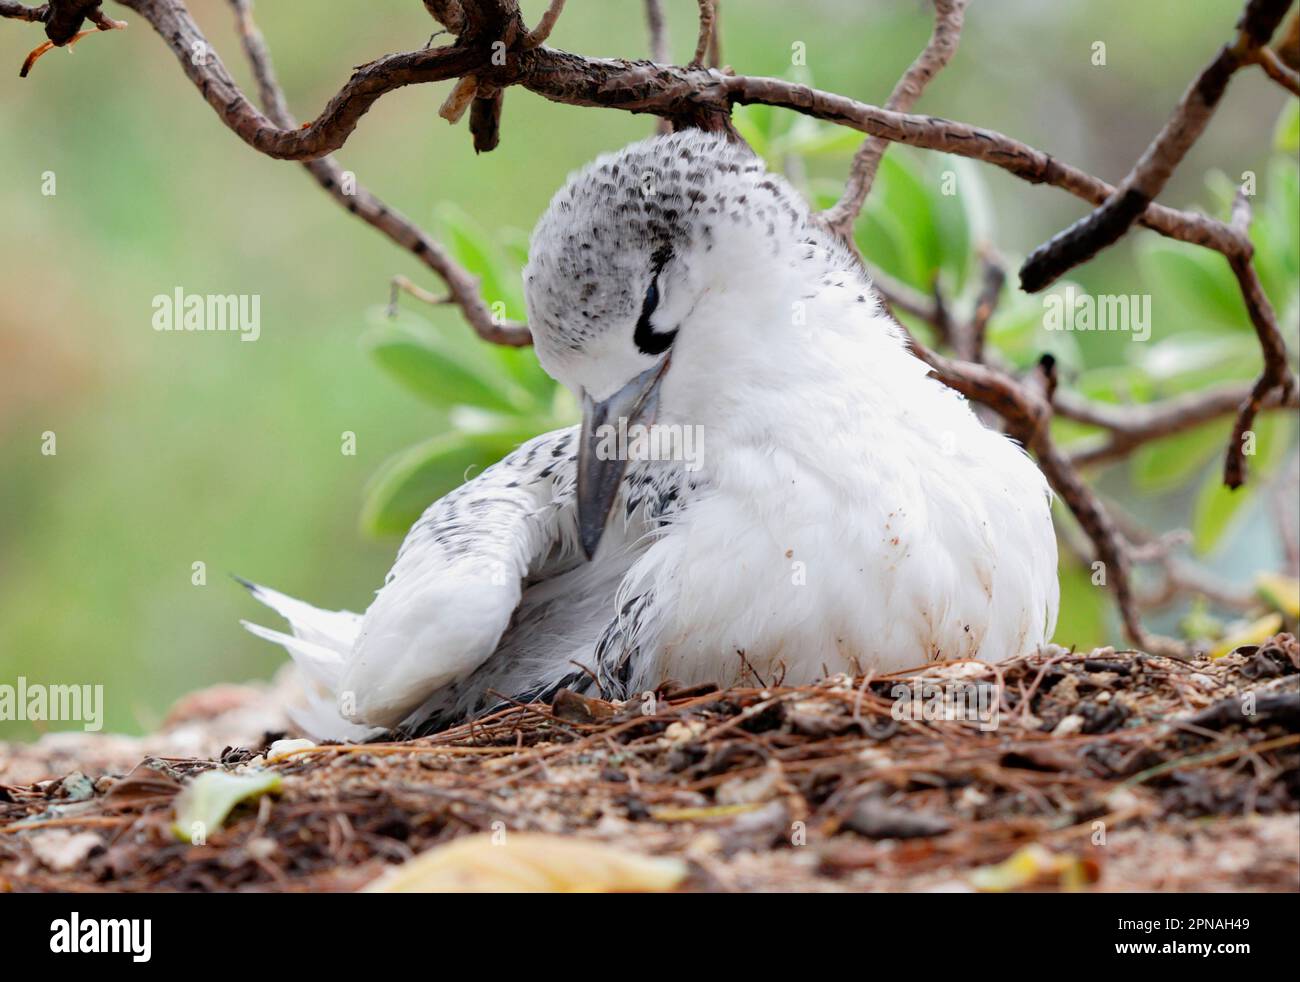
(645,280)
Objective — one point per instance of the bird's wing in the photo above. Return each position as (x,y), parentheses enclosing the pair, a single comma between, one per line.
(459,577)
(450,596)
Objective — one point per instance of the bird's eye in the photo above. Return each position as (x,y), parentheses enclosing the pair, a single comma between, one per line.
(645,337)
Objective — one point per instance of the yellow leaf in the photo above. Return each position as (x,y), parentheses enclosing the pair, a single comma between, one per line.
(1280,592)
(531,863)
(1020,869)
(702,814)
(1256,632)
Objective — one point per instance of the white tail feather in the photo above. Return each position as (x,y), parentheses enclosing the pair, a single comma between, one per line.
(321,647)
(322,665)
(335,629)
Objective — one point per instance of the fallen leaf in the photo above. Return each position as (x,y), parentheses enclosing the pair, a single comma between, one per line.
(1256,632)
(1033,863)
(1282,593)
(701,814)
(206,801)
(61,850)
(877,820)
(531,863)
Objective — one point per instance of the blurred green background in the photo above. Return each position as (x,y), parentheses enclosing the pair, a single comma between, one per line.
(183,448)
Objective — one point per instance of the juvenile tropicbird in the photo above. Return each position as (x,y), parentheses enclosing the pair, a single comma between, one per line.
(841,510)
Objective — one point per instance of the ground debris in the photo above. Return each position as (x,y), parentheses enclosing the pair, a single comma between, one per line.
(1056,771)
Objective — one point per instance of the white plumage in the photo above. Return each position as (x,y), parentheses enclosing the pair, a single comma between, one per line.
(845,510)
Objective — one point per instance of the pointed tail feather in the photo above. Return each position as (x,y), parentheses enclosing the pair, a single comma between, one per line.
(335,629)
(320,645)
(322,665)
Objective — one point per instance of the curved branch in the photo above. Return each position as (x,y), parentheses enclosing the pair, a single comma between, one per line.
(1276,375)
(1130,426)
(947,136)
(335,124)
(538,35)
(1093,233)
(948,16)
(20,11)
(700,97)
(1274,68)
(707,17)
(462,288)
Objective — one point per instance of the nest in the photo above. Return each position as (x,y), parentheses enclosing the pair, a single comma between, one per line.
(1059,770)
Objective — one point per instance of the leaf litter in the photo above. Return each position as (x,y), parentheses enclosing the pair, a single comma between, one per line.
(1102,770)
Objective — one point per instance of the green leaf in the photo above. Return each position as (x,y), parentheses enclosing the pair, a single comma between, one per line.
(1083,620)
(1223,190)
(204,803)
(1196,280)
(1169,463)
(821,140)
(415,478)
(1192,357)
(1286,135)
(439,371)
(882,240)
(965,220)
(1216,505)
(754,123)
(482,258)
(1275,233)
(900,201)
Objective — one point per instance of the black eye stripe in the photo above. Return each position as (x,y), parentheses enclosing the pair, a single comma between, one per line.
(647,340)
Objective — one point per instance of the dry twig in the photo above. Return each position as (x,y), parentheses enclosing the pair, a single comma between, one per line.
(948,15)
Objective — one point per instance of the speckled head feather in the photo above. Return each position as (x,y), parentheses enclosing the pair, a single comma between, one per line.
(670,200)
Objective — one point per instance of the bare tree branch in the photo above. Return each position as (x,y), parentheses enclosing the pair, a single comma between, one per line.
(947,136)
(1088,236)
(1130,426)
(706,33)
(461,286)
(1273,67)
(658,28)
(698,97)
(538,35)
(659,50)
(715,37)
(448,13)
(1276,375)
(19,11)
(948,15)
(986,303)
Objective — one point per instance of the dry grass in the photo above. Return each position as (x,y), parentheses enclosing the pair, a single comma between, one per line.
(1130,771)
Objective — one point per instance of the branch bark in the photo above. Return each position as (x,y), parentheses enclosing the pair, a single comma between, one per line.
(1087,237)
(948,17)
(462,288)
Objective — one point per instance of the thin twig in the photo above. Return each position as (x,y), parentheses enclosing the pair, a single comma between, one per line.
(538,35)
(948,15)
(706,34)
(1129,426)
(1276,374)
(461,286)
(715,39)
(1286,77)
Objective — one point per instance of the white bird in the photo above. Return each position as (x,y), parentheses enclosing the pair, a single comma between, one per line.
(828,505)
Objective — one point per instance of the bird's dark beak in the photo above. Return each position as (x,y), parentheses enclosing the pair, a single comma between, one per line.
(602,455)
